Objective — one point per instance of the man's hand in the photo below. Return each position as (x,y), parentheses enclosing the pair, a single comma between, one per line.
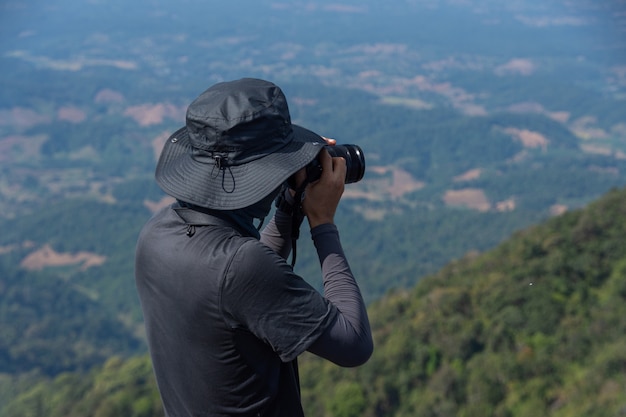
(299,177)
(321,197)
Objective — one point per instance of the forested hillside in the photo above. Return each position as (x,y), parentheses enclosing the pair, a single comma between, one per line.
(534,327)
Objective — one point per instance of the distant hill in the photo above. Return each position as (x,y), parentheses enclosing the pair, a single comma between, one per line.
(438,185)
(533,327)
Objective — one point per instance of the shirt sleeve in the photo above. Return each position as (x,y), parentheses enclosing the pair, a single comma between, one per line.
(277,234)
(348,339)
(261,294)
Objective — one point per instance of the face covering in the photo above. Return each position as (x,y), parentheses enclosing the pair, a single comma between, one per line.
(243,219)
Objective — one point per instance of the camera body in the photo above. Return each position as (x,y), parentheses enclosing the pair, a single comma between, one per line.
(355,163)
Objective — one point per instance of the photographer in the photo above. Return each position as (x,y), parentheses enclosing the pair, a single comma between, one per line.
(225,314)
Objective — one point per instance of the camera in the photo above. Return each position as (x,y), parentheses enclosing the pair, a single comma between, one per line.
(355,163)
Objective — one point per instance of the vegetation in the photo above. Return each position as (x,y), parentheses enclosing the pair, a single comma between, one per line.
(118,388)
(533,327)
(44,326)
(509,101)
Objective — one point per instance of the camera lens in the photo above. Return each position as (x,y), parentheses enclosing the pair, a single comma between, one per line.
(355,160)
(355,163)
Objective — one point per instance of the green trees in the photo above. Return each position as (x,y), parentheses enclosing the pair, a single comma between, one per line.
(118,388)
(530,328)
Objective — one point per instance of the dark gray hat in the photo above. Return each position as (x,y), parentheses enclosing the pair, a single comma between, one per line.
(237,147)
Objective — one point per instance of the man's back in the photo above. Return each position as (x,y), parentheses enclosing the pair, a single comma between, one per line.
(208,350)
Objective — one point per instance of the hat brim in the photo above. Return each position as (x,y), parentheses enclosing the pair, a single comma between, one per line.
(232,187)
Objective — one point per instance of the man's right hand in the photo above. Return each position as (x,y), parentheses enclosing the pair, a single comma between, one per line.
(321,197)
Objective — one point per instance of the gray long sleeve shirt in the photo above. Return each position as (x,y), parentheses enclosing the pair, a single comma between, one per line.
(226,316)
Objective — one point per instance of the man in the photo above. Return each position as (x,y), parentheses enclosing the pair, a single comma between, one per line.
(225,314)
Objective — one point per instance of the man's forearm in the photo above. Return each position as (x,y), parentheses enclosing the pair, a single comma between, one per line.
(277,234)
(348,341)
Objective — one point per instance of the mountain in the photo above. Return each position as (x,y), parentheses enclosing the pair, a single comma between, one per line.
(532,327)
(477,118)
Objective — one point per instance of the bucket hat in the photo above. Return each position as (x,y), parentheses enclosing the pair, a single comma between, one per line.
(237,147)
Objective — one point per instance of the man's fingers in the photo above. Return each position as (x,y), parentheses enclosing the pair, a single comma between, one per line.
(326,161)
(339,167)
(329,141)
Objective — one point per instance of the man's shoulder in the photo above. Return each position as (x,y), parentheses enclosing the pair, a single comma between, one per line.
(253,259)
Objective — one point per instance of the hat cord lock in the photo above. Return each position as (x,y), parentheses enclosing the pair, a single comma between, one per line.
(221,162)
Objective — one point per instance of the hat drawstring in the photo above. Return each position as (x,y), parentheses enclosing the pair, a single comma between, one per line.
(220,164)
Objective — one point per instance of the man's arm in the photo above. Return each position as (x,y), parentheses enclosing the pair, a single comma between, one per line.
(347,341)
(277,234)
